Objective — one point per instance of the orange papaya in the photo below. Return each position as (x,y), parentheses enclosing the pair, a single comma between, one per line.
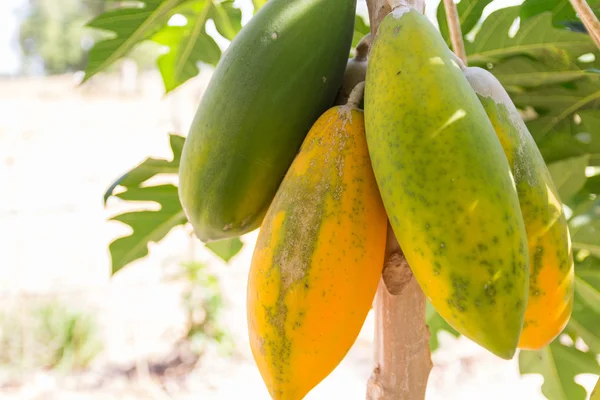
(318,258)
(551,276)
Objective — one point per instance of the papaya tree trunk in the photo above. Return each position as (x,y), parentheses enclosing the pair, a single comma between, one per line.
(402,359)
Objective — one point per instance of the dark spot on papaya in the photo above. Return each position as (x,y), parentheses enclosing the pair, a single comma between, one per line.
(490,292)
(518,304)
(460,293)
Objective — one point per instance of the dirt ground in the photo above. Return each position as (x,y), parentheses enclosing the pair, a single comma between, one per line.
(60,148)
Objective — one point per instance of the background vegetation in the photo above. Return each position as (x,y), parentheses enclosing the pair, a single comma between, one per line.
(539,51)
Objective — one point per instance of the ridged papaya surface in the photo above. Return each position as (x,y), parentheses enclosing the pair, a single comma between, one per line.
(318,258)
(551,259)
(280,73)
(446,183)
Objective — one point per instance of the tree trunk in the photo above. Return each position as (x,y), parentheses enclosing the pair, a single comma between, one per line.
(402,356)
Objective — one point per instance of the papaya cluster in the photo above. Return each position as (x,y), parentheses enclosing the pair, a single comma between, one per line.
(439,151)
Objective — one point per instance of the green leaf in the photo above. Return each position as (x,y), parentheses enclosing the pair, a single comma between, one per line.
(586,237)
(536,38)
(589,290)
(568,114)
(569,176)
(226,249)
(559,365)
(436,324)
(593,183)
(258,4)
(586,308)
(227,18)
(585,230)
(150,168)
(190,44)
(567,138)
(562,10)
(469,14)
(130,26)
(584,325)
(147,226)
(525,72)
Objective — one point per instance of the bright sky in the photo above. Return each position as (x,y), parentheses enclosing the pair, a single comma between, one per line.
(9,22)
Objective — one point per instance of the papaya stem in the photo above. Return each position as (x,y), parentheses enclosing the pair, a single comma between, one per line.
(417,4)
(402,359)
(378,9)
(589,19)
(356,95)
(458,45)
(362,48)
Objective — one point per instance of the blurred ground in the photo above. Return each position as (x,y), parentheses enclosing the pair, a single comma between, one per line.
(60,147)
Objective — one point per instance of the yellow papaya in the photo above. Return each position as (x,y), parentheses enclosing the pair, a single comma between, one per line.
(550,255)
(445,183)
(318,258)
(596,391)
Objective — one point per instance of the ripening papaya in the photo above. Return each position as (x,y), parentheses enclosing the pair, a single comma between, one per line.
(318,258)
(280,73)
(596,391)
(445,183)
(551,272)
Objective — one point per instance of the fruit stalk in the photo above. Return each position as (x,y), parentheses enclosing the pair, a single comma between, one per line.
(588,18)
(458,45)
(401,350)
(378,9)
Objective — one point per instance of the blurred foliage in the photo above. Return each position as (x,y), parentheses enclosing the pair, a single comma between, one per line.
(53,36)
(203,303)
(48,336)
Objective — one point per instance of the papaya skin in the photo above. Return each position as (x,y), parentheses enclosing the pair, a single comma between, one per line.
(275,79)
(446,183)
(318,258)
(551,284)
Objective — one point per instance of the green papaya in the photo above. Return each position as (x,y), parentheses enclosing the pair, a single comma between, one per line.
(280,73)
(446,183)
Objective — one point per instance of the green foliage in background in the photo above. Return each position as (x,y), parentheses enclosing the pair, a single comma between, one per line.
(53,31)
(49,335)
(540,53)
(53,34)
(203,303)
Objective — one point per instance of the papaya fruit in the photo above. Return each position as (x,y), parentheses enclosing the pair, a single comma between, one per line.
(318,258)
(446,183)
(551,275)
(276,78)
(596,391)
